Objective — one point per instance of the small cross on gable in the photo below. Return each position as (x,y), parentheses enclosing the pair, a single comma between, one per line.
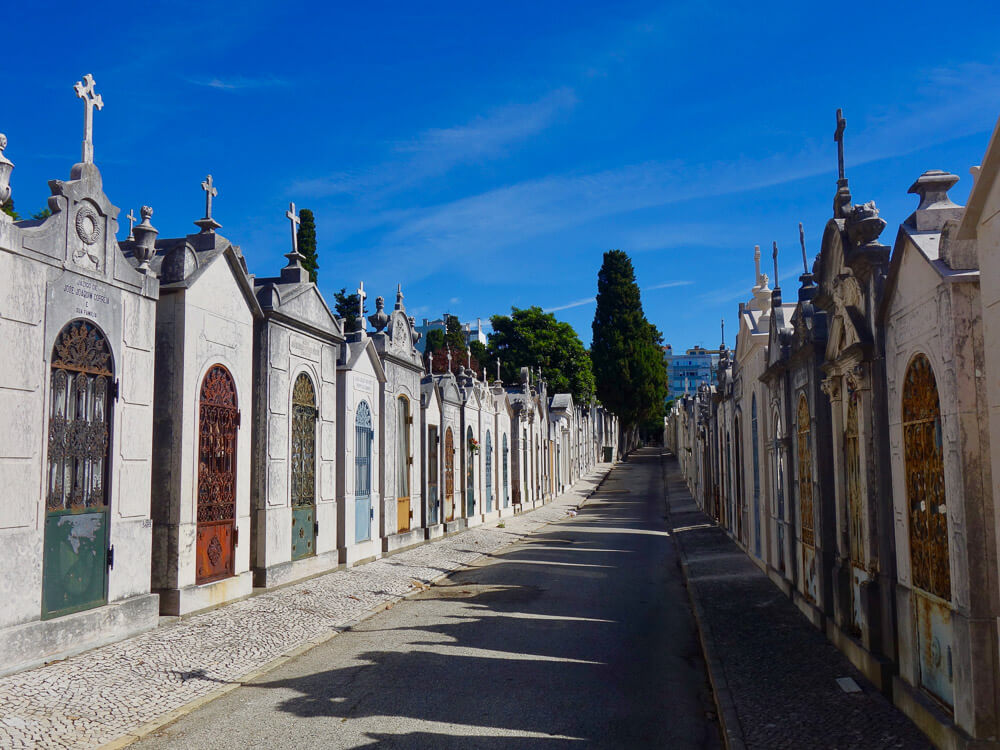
(210,192)
(838,136)
(361,301)
(131,223)
(293,217)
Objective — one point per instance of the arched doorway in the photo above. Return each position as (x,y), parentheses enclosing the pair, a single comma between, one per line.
(75,556)
(506,481)
(754,427)
(449,475)
(403,461)
(304,417)
(930,563)
(489,472)
(363,435)
(218,418)
(433,503)
(470,473)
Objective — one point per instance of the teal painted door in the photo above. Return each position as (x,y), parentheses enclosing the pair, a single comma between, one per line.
(363,473)
(75,551)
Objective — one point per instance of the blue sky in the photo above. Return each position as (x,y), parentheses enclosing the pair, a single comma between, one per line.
(486,155)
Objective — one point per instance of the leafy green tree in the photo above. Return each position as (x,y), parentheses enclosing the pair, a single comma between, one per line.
(479,352)
(346,306)
(8,208)
(307,243)
(434,341)
(532,338)
(628,364)
(454,335)
(42,215)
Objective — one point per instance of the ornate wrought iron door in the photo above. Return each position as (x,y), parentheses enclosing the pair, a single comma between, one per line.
(806,506)
(470,475)
(304,417)
(74,571)
(403,461)
(218,420)
(363,435)
(930,564)
(754,427)
(433,502)
(506,476)
(489,472)
(449,476)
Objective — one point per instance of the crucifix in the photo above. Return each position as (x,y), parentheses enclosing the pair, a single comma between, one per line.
(448,350)
(775,256)
(293,217)
(802,241)
(723,322)
(469,357)
(131,224)
(838,136)
(210,192)
(361,304)
(85,90)
(756,262)
(498,368)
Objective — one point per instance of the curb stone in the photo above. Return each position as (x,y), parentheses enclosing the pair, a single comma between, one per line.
(729,721)
(144,730)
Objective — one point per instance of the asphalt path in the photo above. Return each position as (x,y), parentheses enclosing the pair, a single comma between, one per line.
(581,634)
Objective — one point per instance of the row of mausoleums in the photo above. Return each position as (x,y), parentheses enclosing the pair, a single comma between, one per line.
(853,447)
(177,431)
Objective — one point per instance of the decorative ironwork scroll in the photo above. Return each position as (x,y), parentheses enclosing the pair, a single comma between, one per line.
(79,419)
(805,473)
(923,466)
(304,416)
(449,467)
(218,420)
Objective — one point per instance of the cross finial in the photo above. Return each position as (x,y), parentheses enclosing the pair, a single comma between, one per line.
(85,90)
(131,224)
(838,136)
(802,242)
(498,368)
(210,192)
(448,350)
(774,255)
(756,262)
(361,302)
(469,359)
(722,322)
(294,219)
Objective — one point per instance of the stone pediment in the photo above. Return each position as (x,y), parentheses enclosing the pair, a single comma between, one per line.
(304,303)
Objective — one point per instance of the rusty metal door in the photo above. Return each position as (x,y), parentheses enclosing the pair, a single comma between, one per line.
(923,467)
(75,554)
(449,476)
(304,416)
(855,511)
(403,461)
(218,420)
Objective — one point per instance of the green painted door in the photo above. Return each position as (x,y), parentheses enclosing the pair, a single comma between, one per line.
(75,547)
(304,415)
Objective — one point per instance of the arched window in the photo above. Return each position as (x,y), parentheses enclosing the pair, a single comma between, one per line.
(756,473)
(303,495)
(805,473)
(923,460)
(403,461)
(363,436)
(218,419)
(489,472)
(81,383)
(506,492)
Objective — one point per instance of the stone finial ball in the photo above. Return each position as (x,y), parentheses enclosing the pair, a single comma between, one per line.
(3,141)
(146,212)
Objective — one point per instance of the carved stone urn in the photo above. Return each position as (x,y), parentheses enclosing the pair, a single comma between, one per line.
(6,167)
(145,239)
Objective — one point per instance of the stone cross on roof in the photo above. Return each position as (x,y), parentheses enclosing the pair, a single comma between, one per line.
(722,322)
(756,263)
(774,255)
(448,350)
(498,369)
(362,296)
(85,90)
(131,224)
(208,224)
(294,219)
(838,136)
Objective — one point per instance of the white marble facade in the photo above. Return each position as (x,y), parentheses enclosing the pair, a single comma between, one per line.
(75,446)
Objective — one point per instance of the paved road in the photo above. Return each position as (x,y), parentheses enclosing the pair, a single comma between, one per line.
(580,634)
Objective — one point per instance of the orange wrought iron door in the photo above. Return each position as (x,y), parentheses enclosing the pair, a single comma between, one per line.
(218,419)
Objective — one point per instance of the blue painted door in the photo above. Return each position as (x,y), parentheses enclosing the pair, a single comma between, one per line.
(363,473)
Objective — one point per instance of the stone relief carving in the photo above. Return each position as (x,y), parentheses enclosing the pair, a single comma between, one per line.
(88,229)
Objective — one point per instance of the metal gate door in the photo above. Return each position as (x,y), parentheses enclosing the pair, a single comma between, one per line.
(506,480)
(489,473)
(75,556)
(304,417)
(218,418)
(363,473)
(470,475)
(403,461)
(433,503)
(449,476)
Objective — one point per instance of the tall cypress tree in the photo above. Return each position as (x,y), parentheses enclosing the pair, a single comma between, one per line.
(628,366)
(307,243)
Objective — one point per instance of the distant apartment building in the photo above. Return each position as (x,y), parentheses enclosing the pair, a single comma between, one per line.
(471,333)
(685,372)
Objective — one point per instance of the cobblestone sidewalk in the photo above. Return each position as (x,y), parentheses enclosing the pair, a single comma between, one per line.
(773,672)
(109,693)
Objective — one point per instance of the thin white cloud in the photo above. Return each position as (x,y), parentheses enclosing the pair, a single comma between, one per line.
(576,303)
(667,285)
(240,83)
